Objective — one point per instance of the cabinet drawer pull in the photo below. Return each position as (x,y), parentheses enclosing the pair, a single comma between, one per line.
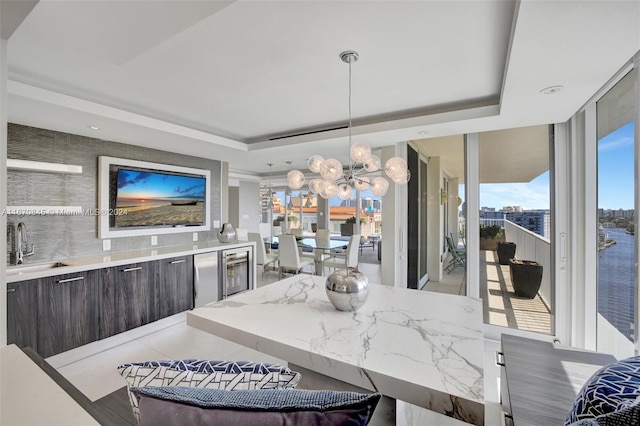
(137,268)
(68,280)
(178,261)
(11,290)
(500,359)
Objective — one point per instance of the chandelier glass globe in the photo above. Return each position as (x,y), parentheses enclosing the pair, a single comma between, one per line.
(295,179)
(359,152)
(379,186)
(361,183)
(315,162)
(345,191)
(402,178)
(372,163)
(328,189)
(395,168)
(331,169)
(314,185)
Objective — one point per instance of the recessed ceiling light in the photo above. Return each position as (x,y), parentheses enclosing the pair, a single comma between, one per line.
(94,127)
(551,90)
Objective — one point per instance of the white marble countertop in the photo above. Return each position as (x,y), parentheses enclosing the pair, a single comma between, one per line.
(29,271)
(28,396)
(421,347)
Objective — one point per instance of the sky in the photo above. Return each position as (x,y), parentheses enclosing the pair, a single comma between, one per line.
(533,195)
(615,169)
(137,184)
(615,179)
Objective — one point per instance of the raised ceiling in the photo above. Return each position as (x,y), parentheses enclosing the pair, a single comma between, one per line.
(223,79)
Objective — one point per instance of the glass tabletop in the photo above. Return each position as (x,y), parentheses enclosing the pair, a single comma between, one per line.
(333,243)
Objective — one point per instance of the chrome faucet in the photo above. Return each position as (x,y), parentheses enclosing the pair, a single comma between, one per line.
(20,239)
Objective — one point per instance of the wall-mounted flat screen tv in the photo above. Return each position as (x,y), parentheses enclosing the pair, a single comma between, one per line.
(149,198)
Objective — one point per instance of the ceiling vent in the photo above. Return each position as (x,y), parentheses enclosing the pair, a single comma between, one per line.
(310,132)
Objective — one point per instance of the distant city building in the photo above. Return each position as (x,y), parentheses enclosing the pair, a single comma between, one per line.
(487,209)
(512,209)
(537,221)
(618,214)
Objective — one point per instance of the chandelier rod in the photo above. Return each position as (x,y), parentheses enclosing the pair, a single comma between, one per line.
(349,152)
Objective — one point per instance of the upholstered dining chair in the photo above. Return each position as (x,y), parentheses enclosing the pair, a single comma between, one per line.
(262,257)
(323,240)
(242,234)
(348,259)
(289,257)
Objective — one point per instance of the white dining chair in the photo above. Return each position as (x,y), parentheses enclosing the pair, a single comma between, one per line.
(289,257)
(348,259)
(242,234)
(323,236)
(262,257)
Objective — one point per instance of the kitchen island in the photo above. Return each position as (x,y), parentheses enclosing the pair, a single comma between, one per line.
(419,347)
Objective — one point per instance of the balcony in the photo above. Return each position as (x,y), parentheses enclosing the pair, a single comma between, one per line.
(501,306)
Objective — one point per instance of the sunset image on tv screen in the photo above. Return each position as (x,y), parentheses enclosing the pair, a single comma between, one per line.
(150,198)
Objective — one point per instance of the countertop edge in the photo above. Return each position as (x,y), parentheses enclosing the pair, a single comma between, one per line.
(109,259)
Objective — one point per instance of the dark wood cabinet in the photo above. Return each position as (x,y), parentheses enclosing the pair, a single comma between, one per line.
(175,285)
(55,314)
(22,314)
(67,311)
(134,292)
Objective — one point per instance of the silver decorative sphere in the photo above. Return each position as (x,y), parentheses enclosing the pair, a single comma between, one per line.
(347,289)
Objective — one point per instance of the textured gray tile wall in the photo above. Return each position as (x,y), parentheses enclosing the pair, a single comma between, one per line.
(57,237)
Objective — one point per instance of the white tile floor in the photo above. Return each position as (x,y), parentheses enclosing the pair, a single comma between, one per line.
(92,368)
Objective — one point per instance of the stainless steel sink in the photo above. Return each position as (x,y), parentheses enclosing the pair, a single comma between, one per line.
(36,267)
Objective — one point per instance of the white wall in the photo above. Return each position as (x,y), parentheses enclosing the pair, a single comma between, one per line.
(434,219)
(248,204)
(233,206)
(394,228)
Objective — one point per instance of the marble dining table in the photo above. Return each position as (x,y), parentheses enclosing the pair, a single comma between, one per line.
(422,348)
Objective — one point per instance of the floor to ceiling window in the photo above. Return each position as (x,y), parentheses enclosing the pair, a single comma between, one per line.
(516,279)
(616,280)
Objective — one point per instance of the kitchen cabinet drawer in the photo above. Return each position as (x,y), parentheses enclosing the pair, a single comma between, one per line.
(22,314)
(175,285)
(67,311)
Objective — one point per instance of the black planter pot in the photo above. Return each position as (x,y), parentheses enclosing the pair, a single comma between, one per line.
(506,251)
(526,277)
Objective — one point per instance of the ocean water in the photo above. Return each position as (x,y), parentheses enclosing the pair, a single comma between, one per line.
(616,281)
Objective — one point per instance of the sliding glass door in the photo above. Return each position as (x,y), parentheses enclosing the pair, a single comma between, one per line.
(616,278)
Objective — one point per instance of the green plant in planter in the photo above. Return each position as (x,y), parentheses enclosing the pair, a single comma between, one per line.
(293,218)
(491,231)
(351,219)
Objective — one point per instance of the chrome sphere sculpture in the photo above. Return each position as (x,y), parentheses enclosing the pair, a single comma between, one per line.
(347,289)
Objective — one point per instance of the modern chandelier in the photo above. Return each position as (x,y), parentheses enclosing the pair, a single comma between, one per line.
(363,171)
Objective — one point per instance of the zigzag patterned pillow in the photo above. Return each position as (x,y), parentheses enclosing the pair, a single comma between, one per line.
(226,375)
(611,396)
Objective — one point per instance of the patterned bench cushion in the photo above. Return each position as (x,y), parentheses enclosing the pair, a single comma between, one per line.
(197,406)
(611,396)
(226,375)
